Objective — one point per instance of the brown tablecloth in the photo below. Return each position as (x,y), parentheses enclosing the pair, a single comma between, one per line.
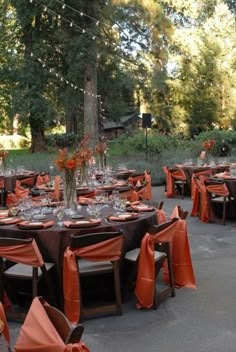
(53,241)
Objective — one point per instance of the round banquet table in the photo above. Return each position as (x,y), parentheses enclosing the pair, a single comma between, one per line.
(54,240)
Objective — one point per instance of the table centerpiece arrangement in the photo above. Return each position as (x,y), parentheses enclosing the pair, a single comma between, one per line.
(69,163)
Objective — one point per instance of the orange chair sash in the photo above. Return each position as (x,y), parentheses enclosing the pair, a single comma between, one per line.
(161,216)
(20,191)
(25,253)
(181,258)
(176,236)
(145,282)
(204,205)
(218,189)
(106,250)
(170,189)
(11,199)
(131,196)
(5,330)
(195,191)
(148,179)
(29,181)
(42,179)
(38,334)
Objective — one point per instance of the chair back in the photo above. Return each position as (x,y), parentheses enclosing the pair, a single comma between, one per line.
(24,251)
(68,333)
(217,187)
(100,246)
(29,181)
(78,241)
(39,332)
(155,229)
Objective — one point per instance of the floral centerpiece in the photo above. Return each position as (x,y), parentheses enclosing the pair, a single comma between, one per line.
(100,149)
(208,145)
(68,163)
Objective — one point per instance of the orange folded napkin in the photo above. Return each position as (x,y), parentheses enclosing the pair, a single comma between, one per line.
(10,220)
(123,217)
(142,207)
(4,213)
(33,225)
(55,204)
(82,223)
(106,187)
(135,203)
(85,201)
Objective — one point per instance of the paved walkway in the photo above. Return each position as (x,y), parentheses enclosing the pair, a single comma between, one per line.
(201,320)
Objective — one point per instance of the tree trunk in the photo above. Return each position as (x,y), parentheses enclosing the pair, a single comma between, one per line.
(90,103)
(71,122)
(37,133)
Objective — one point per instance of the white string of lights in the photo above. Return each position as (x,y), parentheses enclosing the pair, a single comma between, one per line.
(81,13)
(72,24)
(62,79)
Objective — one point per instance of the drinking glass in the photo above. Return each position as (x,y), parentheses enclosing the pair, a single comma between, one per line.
(59,212)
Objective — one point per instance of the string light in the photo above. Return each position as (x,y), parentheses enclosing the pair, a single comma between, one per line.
(66,20)
(74,86)
(71,24)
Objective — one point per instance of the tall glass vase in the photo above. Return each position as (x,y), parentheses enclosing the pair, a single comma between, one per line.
(101,161)
(69,189)
(84,175)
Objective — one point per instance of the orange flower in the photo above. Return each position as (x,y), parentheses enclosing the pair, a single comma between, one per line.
(78,158)
(209,144)
(70,164)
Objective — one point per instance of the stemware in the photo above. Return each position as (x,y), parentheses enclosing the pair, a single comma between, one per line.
(59,212)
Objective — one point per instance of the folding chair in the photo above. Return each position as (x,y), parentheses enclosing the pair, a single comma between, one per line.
(23,262)
(47,329)
(91,255)
(139,260)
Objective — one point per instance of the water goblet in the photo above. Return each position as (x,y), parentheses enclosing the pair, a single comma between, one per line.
(60,212)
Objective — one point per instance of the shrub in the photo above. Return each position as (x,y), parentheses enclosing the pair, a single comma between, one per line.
(63,140)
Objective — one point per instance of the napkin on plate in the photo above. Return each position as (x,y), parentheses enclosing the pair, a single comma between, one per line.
(142,207)
(38,224)
(4,213)
(123,217)
(10,220)
(82,223)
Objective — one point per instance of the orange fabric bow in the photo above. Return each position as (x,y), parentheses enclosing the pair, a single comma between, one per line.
(38,334)
(106,250)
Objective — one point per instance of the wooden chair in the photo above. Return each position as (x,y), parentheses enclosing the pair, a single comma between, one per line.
(96,245)
(161,253)
(176,182)
(47,329)
(28,182)
(20,259)
(68,333)
(218,195)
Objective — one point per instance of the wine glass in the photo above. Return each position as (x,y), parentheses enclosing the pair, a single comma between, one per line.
(59,212)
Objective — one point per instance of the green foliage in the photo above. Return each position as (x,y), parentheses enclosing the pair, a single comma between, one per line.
(63,140)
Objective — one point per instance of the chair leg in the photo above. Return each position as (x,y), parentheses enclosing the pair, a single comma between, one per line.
(224,211)
(117,287)
(171,274)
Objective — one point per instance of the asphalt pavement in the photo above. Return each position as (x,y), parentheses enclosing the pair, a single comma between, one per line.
(195,320)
